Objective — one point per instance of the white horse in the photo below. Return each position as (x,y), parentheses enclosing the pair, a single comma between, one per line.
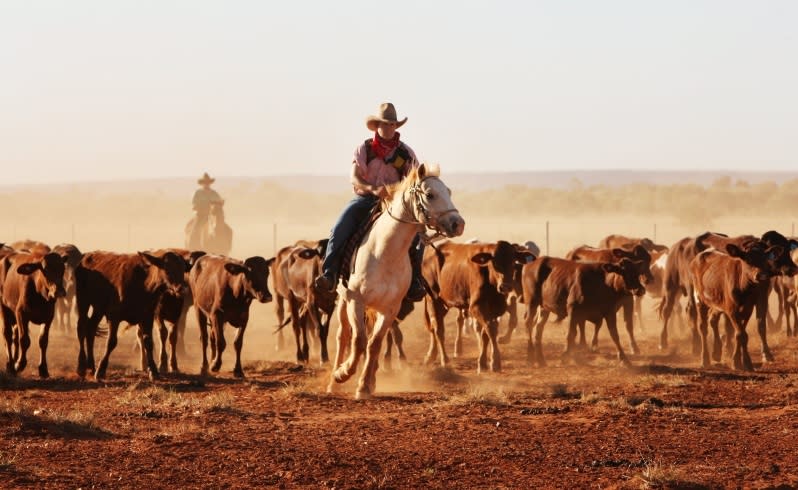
(382,272)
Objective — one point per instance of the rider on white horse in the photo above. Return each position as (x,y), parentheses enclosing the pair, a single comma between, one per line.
(204,197)
(379,161)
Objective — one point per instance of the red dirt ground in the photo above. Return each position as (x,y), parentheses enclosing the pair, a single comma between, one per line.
(662,423)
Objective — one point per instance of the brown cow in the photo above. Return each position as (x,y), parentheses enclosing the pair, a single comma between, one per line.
(638,255)
(122,288)
(734,285)
(172,310)
(628,243)
(474,277)
(677,282)
(31,284)
(585,291)
(223,289)
(64,306)
(33,246)
(299,268)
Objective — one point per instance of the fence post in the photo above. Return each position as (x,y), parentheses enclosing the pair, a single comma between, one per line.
(547,238)
(274,238)
(654,239)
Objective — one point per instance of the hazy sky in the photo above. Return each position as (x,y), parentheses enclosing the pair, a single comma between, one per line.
(125,89)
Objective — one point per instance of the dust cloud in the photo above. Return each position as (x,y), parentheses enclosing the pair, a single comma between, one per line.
(126,217)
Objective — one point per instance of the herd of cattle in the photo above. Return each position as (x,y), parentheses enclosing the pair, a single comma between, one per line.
(718,277)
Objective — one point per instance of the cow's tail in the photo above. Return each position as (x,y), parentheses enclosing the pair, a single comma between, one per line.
(282,325)
(660,307)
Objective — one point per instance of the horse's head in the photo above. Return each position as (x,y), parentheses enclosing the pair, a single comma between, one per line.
(429,200)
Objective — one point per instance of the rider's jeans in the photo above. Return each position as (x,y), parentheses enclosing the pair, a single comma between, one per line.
(353,216)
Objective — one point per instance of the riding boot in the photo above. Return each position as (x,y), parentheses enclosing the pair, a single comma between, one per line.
(417,289)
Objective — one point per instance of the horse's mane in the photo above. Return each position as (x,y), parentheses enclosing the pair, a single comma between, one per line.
(431,170)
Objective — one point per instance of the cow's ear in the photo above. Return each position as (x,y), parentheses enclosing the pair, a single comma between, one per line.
(29,268)
(193,257)
(733,250)
(235,269)
(608,268)
(774,252)
(524,257)
(151,259)
(308,253)
(482,258)
(793,245)
(640,251)
(618,252)
(270,261)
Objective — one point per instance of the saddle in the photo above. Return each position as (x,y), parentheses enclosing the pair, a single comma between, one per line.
(353,244)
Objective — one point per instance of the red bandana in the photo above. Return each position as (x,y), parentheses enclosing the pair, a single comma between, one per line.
(383,147)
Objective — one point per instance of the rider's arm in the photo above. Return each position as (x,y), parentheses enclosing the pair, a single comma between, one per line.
(359,165)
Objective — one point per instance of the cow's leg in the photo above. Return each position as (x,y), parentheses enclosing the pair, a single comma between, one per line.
(665,309)
(297,325)
(82,331)
(44,338)
(368,379)
(495,357)
(692,317)
(279,310)
(628,318)
(742,360)
(440,332)
(142,354)
(147,345)
(386,358)
(202,322)
(163,337)
(181,328)
(539,339)
(217,326)
(714,320)
(594,340)
(512,321)
(342,339)
(613,329)
(238,343)
(573,324)
(761,325)
(703,313)
(174,336)
(8,335)
(110,345)
(324,332)
(93,326)
(430,323)
(24,342)
(530,316)
(774,325)
(638,300)
(458,336)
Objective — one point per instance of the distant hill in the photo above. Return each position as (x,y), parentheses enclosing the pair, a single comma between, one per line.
(464,181)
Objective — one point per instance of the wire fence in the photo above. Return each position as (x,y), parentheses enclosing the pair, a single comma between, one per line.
(252,237)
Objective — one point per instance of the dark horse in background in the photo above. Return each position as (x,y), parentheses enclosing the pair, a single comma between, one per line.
(214,235)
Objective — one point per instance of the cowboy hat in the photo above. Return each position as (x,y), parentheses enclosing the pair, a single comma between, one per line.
(385,113)
(206,179)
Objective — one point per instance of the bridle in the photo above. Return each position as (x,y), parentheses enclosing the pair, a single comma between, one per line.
(419,209)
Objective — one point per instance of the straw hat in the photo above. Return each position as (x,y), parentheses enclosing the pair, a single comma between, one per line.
(206,179)
(385,113)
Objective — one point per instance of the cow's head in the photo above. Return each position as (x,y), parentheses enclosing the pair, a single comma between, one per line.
(629,271)
(255,271)
(504,260)
(171,270)
(783,262)
(764,262)
(52,267)
(193,257)
(640,256)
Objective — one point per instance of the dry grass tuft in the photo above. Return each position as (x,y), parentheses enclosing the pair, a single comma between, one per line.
(480,395)
(156,398)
